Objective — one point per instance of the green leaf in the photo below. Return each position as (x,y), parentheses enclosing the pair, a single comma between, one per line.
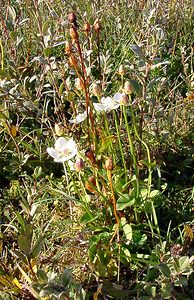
(126,253)
(166,290)
(25,240)
(47,51)
(92,252)
(42,277)
(138,51)
(66,278)
(125,201)
(21,222)
(114,290)
(181,281)
(164,269)
(12,12)
(37,247)
(128,232)
(29,231)
(136,86)
(86,218)
(24,243)
(61,88)
(154,193)
(184,263)
(21,256)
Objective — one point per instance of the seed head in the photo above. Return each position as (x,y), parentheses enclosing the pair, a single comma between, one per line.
(124,99)
(72,17)
(90,155)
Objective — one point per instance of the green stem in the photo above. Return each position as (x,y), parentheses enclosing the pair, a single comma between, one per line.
(2,56)
(120,145)
(78,192)
(67,182)
(149,177)
(132,150)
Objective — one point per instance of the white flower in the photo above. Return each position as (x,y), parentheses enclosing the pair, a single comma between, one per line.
(107,104)
(99,107)
(64,150)
(79,118)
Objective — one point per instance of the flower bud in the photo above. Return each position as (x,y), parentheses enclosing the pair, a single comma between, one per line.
(79,84)
(87,27)
(97,25)
(90,184)
(79,165)
(59,129)
(124,100)
(128,88)
(96,90)
(90,155)
(109,164)
(73,60)
(68,47)
(121,70)
(73,34)
(72,17)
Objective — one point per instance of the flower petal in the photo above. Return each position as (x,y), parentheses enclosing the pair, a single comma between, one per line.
(99,107)
(71,144)
(117,97)
(53,153)
(109,104)
(79,118)
(61,159)
(60,144)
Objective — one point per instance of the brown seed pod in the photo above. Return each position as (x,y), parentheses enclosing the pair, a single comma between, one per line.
(96,90)
(124,99)
(79,84)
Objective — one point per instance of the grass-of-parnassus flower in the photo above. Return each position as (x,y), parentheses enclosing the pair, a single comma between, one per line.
(64,150)
(106,105)
(79,118)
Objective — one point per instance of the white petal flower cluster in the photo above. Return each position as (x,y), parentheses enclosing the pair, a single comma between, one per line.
(106,105)
(64,150)
(79,118)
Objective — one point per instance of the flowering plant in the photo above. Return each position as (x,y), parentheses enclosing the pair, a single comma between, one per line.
(64,150)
